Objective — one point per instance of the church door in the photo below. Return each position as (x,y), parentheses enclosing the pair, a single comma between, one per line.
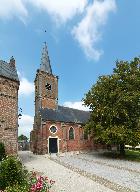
(53,148)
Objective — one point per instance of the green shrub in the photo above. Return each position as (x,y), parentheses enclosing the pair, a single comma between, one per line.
(2,151)
(12,173)
(17,188)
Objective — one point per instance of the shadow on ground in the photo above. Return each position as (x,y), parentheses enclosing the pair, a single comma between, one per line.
(26,157)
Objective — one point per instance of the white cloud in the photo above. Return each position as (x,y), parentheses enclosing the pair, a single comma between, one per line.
(25,125)
(61,10)
(88,31)
(26,87)
(10,8)
(76,105)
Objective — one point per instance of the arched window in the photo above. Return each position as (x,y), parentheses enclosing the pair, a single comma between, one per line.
(71,133)
(85,135)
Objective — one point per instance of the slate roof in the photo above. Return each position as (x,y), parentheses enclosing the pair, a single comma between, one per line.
(45,61)
(7,70)
(65,114)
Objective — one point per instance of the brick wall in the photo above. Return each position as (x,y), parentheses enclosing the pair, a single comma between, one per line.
(9,114)
(40,138)
(43,97)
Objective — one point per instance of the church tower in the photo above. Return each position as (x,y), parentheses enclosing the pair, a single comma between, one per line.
(46,84)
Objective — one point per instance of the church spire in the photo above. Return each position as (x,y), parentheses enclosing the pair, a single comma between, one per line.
(45,61)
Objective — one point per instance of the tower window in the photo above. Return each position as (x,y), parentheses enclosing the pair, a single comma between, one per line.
(48,86)
(71,133)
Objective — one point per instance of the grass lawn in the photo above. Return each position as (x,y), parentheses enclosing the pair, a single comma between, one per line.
(132,155)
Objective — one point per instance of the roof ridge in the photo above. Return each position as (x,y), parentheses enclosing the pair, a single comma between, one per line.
(72,108)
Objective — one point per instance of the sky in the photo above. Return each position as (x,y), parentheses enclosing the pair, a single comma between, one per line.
(84,39)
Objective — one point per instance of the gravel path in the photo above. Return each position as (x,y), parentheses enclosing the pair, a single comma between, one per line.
(127,165)
(66,179)
(118,175)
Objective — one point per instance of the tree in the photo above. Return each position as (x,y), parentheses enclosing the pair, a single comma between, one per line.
(115,106)
(22,138)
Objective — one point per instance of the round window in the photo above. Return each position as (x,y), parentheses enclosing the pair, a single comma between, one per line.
(53,129)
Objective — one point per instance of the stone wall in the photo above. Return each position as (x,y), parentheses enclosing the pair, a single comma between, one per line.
(9,114)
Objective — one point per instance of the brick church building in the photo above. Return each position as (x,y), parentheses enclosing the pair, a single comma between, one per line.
(56,128)
(9,85)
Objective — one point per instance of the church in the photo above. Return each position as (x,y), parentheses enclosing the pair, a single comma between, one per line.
(56,128)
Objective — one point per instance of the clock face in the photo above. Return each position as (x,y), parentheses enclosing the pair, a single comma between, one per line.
(48,86)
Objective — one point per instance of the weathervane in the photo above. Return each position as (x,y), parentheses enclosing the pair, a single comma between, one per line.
(45,41)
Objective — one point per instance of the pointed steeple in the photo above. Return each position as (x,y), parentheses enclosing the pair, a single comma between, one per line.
(45,61)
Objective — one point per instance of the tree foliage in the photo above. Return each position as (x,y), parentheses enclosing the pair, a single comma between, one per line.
(115,104)
(22,138)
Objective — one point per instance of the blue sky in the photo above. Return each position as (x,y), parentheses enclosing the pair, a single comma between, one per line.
(84,38)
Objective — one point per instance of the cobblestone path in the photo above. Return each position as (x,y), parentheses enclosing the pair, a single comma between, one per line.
(101,180)
(85,172)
